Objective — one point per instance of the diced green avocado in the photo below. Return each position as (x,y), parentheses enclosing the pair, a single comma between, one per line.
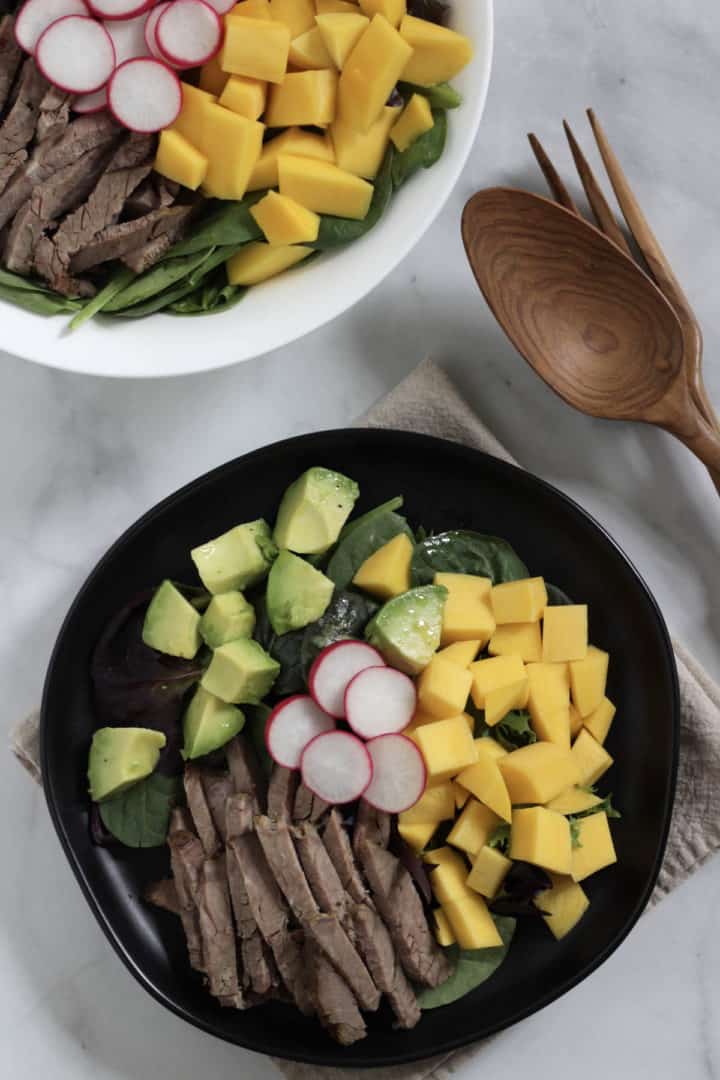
(171,623)
(239,558)
(297,593)
(240,672)
(208,724)
(313,511)
(407,629)
(228,616)
(119,757)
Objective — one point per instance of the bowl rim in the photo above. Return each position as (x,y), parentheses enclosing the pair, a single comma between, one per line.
(423,442)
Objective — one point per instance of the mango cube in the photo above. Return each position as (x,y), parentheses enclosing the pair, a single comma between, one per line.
(472,923)
(393,10)
(461,652)
(549,702)
(293,141)
(565,633)
(386,573)
(257,262)
(576,722)
(573,801)
(416,119)
(444,856)
(495,674)
(498,703)
(191,120)
(565,904)
(485,781)
(255,48)
(298,15)
(178,160)
(308,52)
(592,759)
(461,795)
(488,871)
(323,187)
(473,828)
(212,77)
(521,601)
(443,688)
(420,718)
(518,639)
(467,615)
(340,34)
(448,877)
(232,145)
(490,747)
(370,74)
(305,97)
(438,53)
(283,221)
(244,96)
(362,153)
(330,7)
(252,9)
(541,837)
(539,772)
(443,930)
(447,747)
(599,721)
(417,835)
(436,804)
(596,849)
(588,679)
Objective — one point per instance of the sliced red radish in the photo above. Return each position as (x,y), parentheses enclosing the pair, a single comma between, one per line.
(189,33)
(128,37)
(380,701)
(76,54)
(336,767)
(35,16)
(333,670)
(151,21)
(399,774)
(291,726)
(222,6)
(91,103)
(145,95)
(119,9)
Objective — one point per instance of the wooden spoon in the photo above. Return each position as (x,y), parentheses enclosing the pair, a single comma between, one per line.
(590,323)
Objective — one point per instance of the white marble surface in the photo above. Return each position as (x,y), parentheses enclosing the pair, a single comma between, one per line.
(80,459)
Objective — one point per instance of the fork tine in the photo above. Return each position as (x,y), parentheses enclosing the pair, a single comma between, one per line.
(598,203)
(559,191)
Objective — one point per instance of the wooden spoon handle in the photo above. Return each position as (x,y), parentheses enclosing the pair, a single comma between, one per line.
(705,445)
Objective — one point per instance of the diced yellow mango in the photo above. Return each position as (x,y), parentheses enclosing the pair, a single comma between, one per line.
(595,848)
(252,9)
(539,772)
(472,923)
(329,7)
(592,759)
(553,726)
(416,119)
(485,781)
(178,160)
(565,631)
(588,679)
(447,747)
(341,33)
(191,120)
(244,96)
(417,835)
(436,804)
(308,52)
(444,856)
(495,673)
(461,652)
(473,828)
(573,801)
(461,795)
(323,187)
(232,145)
(305,97)
(212,77)
(362,153)
(470,721)
(488,872)
(518,639)
(393,10)
(257,262)
(490,747)
(565,904)
(541,837)
(549,702)
(255,48)
(499,702)
(293,141)
(467,615)
(448,879)
(420,718)
(370,73)
(283,221)
(443,930)
(298,15)
(599,721)
(443,688)
(386,573)
(576,721)
(521,601)
(438,53)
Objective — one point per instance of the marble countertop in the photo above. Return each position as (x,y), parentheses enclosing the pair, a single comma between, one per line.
(80,459)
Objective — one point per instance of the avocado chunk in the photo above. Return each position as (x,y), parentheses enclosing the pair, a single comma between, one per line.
(119,757)
(239,558)
(208,724)
(171,623)
(228,616)
(240,672)
(407,629)
(313,511)
(297,593)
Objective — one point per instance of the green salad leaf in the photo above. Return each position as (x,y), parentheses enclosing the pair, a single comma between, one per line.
(365,539)
(346,617)
(574,832)
(156,280)
(226,224)
(32,296)
(440,96)
(466,552)
(256,717)
(336,231)
(603,807)
(140,816)
(212,296)
(119,281)
(515,730)
(423,153)
(500,839)
(472,967)
(377,511)
(556,597)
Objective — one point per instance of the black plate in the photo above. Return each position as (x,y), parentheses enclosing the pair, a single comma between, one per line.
(445,486)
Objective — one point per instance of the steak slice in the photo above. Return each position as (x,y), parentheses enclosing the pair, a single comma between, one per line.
(324,881)
(200,811)
(337,843)
(10,58)
(218,787)
(168,228)
(336,1006)
(218,933)
(246,772)
(186,859)
(281,793)
(308,806)
(371,826)
(19,125)
(54,114)
(128,237)
(258,967)
(163,894)
(375,944)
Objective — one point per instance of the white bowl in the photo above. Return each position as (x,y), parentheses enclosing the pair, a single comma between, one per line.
(282,310)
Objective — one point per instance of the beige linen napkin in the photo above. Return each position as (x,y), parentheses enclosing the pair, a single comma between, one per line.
(426,401)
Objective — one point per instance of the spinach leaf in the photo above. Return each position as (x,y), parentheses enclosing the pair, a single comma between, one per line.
(157,280)
(120,280)
(346,616)
(440,96)
(37,300)
(435,11)
(472,968)
(227,223)
(500,839)
(556,597)
(212,295)
(574,832)
(336,231)
(522,884)
(606,807)
(361,543)
(423,153)
(377,511)
(140,816)
(156,303)
(255,720)
(514,730)
(466,552)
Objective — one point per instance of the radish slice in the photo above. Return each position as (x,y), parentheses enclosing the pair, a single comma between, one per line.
(128,37)
(336,767)
(151,22)
(145,95)
(35,16)
(333,670)
(291,726)
(119,9)
(221,6)
(189,33)
(380,701)
(399,774)
(76,54)
(85,104)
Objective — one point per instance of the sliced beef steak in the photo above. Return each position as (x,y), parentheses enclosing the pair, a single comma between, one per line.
(375,944)
(308,806)
(281,793)
(10,58)
(324,881)
(186,859)
(218,933)
(336,1006)
(371,826)
(258,967)
(54,114)
(246,772)
(337,843)
(218,787)
(19,126)
(200,811)
(163,894)
(128,239)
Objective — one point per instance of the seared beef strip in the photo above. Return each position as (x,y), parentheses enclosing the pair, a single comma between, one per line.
(152,194)
(54,115)
(308,806)
(10,57)
(371,826)
(130,238)
(198,805)
(337,843)
(246,773)
(163,894)
(326,886)
(19,125)
(258,967)
(168,226)
(218,933)
(336,1007)
(281,793)
(218,787)
(186,859)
